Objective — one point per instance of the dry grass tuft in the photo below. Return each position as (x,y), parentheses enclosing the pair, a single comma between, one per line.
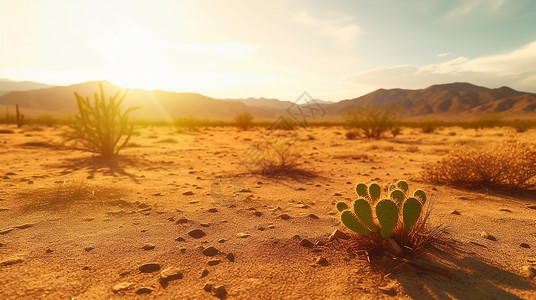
(502,166)
(66,194)
(279,159)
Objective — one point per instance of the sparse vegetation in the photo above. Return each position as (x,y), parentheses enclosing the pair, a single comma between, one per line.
(277,159)
(19,117)
(502,166)
(397,223)
(244,121)
(372,121)
(101,127)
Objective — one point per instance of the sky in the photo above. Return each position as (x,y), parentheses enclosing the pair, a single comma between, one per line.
(333,50)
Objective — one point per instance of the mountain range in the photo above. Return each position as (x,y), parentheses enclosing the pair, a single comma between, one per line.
(446,101)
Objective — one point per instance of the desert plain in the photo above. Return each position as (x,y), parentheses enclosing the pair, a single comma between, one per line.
(76,226)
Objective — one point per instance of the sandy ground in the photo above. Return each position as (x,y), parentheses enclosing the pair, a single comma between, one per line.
(79,224)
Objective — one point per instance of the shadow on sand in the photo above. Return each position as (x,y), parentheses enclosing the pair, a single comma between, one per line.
(107,166)
(470,278)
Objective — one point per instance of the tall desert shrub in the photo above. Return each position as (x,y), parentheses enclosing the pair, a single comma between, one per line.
(101,127)
(372,121)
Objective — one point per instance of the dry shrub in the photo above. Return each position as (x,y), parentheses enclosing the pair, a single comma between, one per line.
(278,159)
(502,166)
(66,194)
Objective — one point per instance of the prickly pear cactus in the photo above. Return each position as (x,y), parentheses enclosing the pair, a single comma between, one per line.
(372,213)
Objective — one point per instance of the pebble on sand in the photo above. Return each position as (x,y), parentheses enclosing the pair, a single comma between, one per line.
(149,267)
(121,287)
(196,233)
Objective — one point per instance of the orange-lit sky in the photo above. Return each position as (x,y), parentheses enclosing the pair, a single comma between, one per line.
(277,49)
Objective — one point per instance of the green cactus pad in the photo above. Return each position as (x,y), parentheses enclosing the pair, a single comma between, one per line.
(374,191)
(350,220)
(411,212)
(361,189)
(364,213)
(392,187)
(398,197)
(403,186)
(341,206)
(387,213)
(420,195)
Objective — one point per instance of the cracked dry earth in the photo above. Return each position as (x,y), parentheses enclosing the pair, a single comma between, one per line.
(176,217)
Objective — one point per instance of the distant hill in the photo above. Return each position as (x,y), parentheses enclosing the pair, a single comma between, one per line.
(453,99)
(154,104)
(446,101)
(7,85)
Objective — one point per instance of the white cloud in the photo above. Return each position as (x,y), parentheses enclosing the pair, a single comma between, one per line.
(467,7)
(340,28)
(443,54)
(516,69)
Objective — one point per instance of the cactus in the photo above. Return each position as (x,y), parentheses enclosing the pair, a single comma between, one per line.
(399,208)
(20,117)
(350,220)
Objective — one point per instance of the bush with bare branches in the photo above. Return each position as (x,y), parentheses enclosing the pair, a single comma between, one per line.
(101,127)
(502,166)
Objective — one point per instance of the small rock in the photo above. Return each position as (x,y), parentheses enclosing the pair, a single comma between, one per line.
(528,271)
(89,248)
(88,219)
(490,237)
(170,274)
(148,246)
(213,262)
(230,257)
(455,212)
(180,239)
(306,243)
(210,251)
(524,245)
(301,205)
(300,189)
(505,209)
(320,243)
(530,206)
(208,287)
(321,261)
(257,213)
(205,225)
(204,273)
(260,228)
(337,234)
(242,235)
(3,208)
(337,194)
(222,240)
(149,267)
(121,286)
(182,221)
(212,210)
(284,217)
(47,250)
(188,193)
(11,261)
(313,216)
(144,290)
(220,291)
(388,290)
(271,226)
(196,233)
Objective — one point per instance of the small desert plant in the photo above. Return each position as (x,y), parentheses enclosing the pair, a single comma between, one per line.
(372,121)
(351,135)
(397,221)
(429,126)
(503,166)
(244,121)
(101,127)
(396,131)
(19,117)
(522,125)
(277,159)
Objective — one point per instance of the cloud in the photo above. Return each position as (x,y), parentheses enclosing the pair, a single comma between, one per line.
(516,69)
(467,7)
(340,28)
(443,54)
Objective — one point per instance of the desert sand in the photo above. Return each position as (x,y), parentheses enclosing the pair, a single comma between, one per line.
(74,226)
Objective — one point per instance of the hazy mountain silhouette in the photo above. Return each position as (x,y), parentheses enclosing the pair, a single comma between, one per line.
(443,100)
(7,85)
